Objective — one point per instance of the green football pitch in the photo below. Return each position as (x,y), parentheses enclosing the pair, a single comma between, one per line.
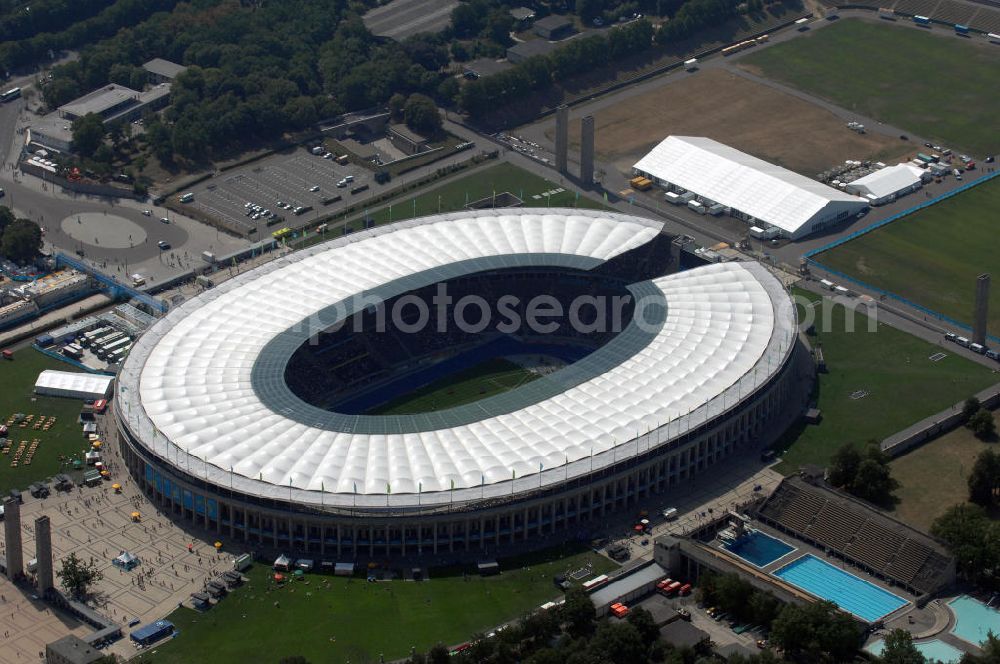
(472,384)
(932,257)
(942,87)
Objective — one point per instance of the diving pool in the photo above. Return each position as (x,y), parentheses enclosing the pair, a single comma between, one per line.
(851,593)
(758,548)
(934,650)
(973,619)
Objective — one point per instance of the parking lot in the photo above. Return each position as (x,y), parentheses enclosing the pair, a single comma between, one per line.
(296,180)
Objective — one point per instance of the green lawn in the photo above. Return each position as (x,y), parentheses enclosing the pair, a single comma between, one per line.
(472,384)
(453,195)
(933,477)
(333,619)
(903,385)
(940,87)
(17,379)
(932,257)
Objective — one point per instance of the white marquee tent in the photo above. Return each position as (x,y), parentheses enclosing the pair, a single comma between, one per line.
(73,385)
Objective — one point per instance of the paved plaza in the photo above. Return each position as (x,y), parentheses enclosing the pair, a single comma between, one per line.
(96,522)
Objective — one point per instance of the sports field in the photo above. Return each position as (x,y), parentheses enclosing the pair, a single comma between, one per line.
(17,381)
(933,257)
(877,383)
(334,619)
(472,384)
(734,110)
(934,476)
(937,85)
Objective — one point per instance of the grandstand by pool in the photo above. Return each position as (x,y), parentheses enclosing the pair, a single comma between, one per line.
(758,548)
(865,600)
(934,650)
(973,619)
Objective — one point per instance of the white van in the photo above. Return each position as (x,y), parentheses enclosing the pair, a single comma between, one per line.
(963,342)
(978,348)
(670,513)
(187,198)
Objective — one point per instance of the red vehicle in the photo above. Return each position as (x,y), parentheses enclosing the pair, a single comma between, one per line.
(685,590)
(8,354)
(100,405)
(673,588)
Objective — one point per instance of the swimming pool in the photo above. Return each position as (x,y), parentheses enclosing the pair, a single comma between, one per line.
(758,548)
(973,619)
(934,650)
(865,600)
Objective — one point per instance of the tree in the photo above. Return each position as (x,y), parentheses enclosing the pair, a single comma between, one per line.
(984,479)
(973,539)
(970,408)
(982,425)
(618,643)
(644,624)
(88,134)
(78,576)
(844,465)
(588,10)
(6,219)
(21,241)
(814,629)
(396,104)
(438,655)
(578,612)
(421,114)
(873,482)
(899,649)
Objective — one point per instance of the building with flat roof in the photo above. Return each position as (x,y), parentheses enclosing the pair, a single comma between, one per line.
(520,52)
(484,67)
(406,139)
(887,184)
(553,27)
(71,650)
(162,71)
(751,189)
(104,101)
(53,131)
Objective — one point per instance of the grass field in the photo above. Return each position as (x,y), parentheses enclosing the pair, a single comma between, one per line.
(453,195)
(17,381)
(940,87)
(933,477)
(932,257)
(734,110)
(333,619)
(902,385)
(472,384)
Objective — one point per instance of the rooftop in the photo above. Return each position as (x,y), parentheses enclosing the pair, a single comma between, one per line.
(100,100)
(889,180)
(528,49)
(487,66)
(522,13)
(164,68)
(553,22)
(741,181)
(682,633)
(74,650)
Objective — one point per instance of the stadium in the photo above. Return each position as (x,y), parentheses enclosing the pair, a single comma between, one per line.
(276,409)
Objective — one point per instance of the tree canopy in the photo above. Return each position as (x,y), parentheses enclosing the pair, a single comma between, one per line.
(88,134)
(77,575)
(974,539)
(21,240)
(866,475)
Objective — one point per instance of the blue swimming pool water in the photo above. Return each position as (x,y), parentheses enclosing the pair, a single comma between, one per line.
(934,650)
(853,594)
(973,619)
(758,548)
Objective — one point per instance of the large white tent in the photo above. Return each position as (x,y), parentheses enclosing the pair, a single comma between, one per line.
(74,385)
(887,184)
(753,189)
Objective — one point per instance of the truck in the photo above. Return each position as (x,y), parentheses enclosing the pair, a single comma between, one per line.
(768,233)
(802,24)
(108,350)
(208,257)
(691,65)
(961,29)
(921,20)
(187,198)
(94,335)
(319,150)
(696,207)
(108,339)
(672,198)
(926,158)
(641,183)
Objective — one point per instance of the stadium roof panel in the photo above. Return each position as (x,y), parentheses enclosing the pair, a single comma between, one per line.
(741,181)
(187,387)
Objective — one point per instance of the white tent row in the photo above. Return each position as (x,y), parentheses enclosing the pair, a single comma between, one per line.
(73,385)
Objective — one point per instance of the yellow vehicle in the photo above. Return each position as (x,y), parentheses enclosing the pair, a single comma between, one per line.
(281,232)
(641,183)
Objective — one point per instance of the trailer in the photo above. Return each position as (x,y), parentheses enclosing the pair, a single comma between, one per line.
(105,352)
(672,198)
(768,233)
(691,65)
(108,339)
(802,24)
(961,29)
(89,337)
(926,158)
(993,37)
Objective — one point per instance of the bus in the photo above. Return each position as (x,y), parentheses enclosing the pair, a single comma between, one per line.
(10,95)
(281,232)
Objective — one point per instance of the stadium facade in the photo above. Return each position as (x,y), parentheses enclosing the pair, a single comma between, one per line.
(249,410)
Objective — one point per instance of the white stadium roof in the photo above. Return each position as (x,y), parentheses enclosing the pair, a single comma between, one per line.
(72,384)
(887,181)
(728,329)
(735,179)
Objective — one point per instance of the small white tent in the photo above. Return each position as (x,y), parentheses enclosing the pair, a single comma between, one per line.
(73,385)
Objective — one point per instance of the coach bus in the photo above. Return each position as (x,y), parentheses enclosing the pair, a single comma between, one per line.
(10,95)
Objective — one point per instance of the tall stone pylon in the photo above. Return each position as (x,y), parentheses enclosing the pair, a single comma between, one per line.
(981,315)
(12,538)
(587,151)
(562,139)
(43,554)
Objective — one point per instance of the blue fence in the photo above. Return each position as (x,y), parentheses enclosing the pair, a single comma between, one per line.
(896,217)
(116,287)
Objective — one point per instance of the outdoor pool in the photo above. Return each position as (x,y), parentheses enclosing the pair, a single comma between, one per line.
(934,650)
(865,600)
(758,548)
(973,619)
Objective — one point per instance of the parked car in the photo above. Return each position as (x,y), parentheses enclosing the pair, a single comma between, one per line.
(163,245)
(147,213)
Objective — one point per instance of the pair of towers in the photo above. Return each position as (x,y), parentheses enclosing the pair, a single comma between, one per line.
(586,145)
(15,555)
